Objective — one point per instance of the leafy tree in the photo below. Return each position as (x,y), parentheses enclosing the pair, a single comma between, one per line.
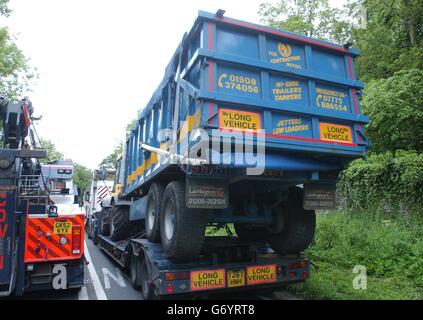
(110,161)
(15,72)
(4,9)
(82,177)
(52,153)
(393,38)
(312,18)
(395,107)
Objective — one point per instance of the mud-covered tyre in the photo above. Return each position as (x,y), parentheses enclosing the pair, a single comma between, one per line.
(182,230)
(120,225)
(134,268)
(103,222)
(152,217)
(147,289)
(89,229)
(299,225)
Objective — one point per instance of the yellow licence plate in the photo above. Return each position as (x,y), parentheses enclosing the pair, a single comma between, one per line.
(239,120)
(208,279)
(236,278)
(62,227)
(335,132)
(261,274)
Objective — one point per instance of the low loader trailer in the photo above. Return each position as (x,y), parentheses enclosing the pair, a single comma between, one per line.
(227,264)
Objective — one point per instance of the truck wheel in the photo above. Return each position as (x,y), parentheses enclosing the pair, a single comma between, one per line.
(89,231)
(253,233)
(120,225)
(299,225)
(135,272)
(152,218)
(103,222)
(147,289)
(182,230)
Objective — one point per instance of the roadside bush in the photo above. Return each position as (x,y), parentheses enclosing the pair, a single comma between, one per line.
(391,182)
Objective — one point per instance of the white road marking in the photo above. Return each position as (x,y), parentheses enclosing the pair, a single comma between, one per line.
(99,291)
(116,278)
(83,293)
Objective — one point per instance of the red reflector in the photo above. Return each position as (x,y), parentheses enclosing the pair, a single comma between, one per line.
(298,265)
(76,240)
(170,276)
(169,288)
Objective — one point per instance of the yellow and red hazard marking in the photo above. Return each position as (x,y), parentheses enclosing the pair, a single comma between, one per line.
(53,239)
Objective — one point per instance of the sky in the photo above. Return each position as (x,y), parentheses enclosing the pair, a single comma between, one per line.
(99,61)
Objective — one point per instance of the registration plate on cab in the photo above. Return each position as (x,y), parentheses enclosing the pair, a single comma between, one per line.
(62,227)
(207,279)
(261,274)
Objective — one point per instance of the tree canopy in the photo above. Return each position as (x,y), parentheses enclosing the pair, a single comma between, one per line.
(312,18)
(82,177)
(52,153)
(109,162)
(15,72)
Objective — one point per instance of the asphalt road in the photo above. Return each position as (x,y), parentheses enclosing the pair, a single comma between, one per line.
(105,280)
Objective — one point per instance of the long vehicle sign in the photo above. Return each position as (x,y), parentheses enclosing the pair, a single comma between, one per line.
(221,278)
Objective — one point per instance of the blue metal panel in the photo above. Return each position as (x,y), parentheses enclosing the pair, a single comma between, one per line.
(138,209)
(238,43)
(329,63)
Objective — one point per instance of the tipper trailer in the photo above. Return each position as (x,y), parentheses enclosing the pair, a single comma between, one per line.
(250,126)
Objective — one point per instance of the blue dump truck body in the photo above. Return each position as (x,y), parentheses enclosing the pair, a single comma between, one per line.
(299,95)
(247,131)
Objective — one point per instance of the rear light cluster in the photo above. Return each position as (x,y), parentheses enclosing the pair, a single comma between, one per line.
(171,276)
(298,269)
(76,240)
(302,264)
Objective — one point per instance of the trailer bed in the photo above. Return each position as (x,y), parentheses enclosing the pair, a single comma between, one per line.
(227,264)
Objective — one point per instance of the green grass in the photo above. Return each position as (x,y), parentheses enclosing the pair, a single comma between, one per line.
(391,249)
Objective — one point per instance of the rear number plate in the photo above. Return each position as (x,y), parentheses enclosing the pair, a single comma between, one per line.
(206,195)
(319,196)
(236,278)
(62,227)
(208,279)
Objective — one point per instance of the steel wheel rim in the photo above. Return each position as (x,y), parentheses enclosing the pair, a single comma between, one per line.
(151,214)
(169,219)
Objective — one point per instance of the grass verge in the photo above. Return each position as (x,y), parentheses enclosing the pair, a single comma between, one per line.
(389,247)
